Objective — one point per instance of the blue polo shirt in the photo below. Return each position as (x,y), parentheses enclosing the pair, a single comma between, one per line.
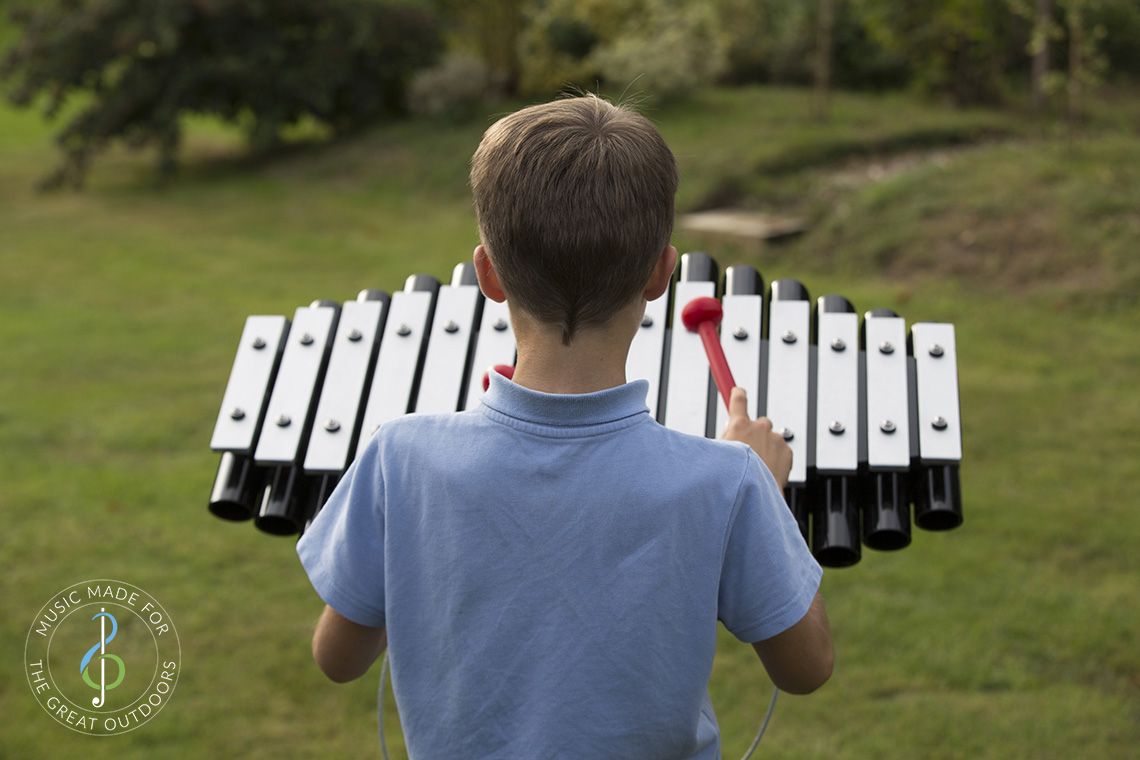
(551,569)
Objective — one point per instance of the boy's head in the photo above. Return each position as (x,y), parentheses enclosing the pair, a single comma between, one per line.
(575,206)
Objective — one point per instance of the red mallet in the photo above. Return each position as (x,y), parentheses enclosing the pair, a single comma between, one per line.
(702,315)
(506,370)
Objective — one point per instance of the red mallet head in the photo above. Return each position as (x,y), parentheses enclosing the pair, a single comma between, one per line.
(506,370)
(701,310)
(702,315)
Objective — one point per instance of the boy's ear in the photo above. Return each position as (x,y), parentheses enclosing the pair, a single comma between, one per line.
(662,274)
(487,276)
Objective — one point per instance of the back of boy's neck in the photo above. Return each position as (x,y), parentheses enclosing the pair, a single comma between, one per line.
(594,360)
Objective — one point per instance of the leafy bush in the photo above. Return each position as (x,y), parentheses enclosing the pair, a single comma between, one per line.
(454,88)
(1121,19)
(668,53)
(557,41)
(144,64)
(489,30)
(658,48)
(954,47)
(775,41)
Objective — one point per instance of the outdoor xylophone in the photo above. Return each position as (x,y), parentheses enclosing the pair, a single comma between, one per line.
(871,412)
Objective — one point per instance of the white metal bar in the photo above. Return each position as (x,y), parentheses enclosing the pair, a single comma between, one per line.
(888,407)
(451,330)
(495,344)
(294,392)
(646,353)
(740,332)
(788,353)
(837,393)
(342,394)
(936,369)
(405,331)
(687,388)
(248,386)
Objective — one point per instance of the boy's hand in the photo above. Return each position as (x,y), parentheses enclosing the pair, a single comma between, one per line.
(768,445)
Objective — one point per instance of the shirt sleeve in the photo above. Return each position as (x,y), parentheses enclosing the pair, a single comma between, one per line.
(768,578)
(343,549)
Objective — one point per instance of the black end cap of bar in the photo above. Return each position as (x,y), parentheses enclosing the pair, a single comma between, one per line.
(788,290)
(421,282)
(373,294)
(464,274)
(697,266)
(743,280)
(830,304)
(872,314)
(834,304)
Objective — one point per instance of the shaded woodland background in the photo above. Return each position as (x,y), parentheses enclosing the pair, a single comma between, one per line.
(132,72)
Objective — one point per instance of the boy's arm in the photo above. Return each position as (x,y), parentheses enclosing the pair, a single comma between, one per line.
(769,586)
(344,650)
(800,659)
(342,552)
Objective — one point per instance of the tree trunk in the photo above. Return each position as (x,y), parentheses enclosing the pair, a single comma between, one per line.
(1076,65)
(824,25)
(1041,27)
(497,26)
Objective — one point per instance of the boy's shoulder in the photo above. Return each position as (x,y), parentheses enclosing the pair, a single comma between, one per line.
(668,451)
(408,426)
(410,431)
(732,454)
(416,423)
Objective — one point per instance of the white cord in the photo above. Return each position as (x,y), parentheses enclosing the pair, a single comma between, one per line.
(763,726)
(384,741)
(380,704)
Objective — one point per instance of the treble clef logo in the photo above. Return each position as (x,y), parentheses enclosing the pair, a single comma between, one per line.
(101,648)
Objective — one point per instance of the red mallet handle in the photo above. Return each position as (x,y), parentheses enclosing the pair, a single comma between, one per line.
(506,370)
(702,315)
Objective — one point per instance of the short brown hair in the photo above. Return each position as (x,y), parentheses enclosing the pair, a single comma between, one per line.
(575,203)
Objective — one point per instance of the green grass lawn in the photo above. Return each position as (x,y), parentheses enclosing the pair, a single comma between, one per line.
(1014,636)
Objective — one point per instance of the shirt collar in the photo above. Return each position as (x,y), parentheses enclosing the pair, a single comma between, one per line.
(523,404)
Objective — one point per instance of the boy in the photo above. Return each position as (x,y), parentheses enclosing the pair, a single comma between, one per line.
(550,566)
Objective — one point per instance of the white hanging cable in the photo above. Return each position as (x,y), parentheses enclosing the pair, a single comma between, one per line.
(763,726)
(380,704)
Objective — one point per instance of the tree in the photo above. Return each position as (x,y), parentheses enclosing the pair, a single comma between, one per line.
(492,30)
(656,50)
(954,47)
(140,66)
(1087,63)
(1122,20)
(824,24)
(1043,30)
(668,52)
(1039,50)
